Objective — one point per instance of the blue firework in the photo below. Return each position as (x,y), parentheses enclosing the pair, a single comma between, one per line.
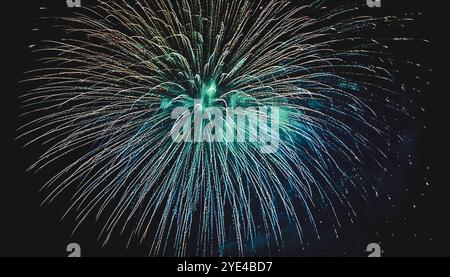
(108,90)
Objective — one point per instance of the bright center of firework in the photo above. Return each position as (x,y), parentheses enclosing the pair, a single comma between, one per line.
(208,93)
(211,90)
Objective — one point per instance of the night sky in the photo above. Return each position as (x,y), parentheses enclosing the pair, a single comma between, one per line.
(406,217)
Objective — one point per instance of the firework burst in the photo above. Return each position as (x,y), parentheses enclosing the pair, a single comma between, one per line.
(107,90)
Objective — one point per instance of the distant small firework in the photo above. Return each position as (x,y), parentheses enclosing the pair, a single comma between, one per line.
(105,93)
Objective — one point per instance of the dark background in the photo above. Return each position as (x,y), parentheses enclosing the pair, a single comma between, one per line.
(410,218)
